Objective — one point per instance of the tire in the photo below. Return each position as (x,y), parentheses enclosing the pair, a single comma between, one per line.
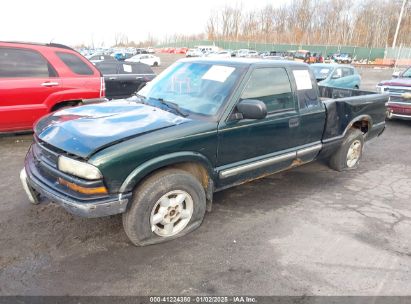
(155,64)
(353,145)
(356,87)
(141,221)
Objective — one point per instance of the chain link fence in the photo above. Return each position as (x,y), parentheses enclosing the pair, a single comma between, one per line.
(358,53)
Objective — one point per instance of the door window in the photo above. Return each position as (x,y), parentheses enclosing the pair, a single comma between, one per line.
(338,73)
(107,68)
(347,72)
(272,86)
(75,64)
(24,63)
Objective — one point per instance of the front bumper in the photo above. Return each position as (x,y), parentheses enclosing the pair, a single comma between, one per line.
(36,186)
(399,110)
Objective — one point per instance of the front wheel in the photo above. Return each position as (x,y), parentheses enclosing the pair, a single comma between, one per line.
(167,205)
(348,155)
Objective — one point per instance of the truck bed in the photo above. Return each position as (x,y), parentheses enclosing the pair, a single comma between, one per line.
(344,107)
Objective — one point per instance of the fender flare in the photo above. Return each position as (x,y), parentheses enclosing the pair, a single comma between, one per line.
(162,161)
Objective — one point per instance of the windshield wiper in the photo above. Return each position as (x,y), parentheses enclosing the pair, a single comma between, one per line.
(173,106)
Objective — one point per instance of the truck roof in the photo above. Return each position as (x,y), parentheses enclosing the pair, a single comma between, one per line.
(247,62)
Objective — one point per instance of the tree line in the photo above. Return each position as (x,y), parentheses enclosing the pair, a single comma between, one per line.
(367,23)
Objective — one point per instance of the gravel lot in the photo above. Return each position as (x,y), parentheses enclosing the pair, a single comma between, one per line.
(307,231)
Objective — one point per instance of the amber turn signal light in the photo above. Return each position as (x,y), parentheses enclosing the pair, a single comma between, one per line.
(77,188)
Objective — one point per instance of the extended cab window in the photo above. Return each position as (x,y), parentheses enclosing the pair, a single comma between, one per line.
(272,86)
(75,64)
(24,63)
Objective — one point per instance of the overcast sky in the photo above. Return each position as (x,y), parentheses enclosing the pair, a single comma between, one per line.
(81,21)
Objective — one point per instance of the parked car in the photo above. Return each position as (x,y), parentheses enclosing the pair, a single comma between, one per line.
(150,50)
(100,58)
(123,79)
(336,75)
(139,51)
(200,127)
(148,59)
(271,57)
(314,57)
(342,58)
(302,55)
(399,89)
(241,53)
(220,54)
(121,56)
(194,53)
(36,79)
(252,54)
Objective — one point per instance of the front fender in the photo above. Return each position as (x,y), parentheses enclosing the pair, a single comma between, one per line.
(162,161)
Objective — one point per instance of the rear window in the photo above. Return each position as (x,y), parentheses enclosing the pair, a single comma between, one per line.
(135,68)
(75,64)
(141,68)
(16,62)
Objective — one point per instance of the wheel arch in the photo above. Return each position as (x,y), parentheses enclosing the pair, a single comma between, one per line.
(362,122)
(194,163)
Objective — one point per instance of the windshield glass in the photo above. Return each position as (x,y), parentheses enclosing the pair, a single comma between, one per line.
(321,72)
(199,88)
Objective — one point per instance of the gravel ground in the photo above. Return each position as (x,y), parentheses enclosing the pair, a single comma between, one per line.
(307,231)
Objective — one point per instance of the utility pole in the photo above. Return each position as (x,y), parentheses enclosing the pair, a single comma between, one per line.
(398,24)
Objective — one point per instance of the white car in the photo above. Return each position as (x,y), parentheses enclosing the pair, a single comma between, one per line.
(194,53)
(148,59)
(221,54)
(150,50)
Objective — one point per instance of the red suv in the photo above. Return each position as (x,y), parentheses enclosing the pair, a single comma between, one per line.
(36,79)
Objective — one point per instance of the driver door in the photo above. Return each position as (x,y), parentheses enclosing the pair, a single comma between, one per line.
(248,141)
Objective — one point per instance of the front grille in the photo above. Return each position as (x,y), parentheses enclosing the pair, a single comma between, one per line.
(44,154)
(397,91)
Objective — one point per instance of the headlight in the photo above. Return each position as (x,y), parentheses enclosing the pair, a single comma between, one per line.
(78,168)
(381,89)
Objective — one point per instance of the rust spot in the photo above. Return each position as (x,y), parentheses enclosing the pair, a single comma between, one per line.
(296,162)
(197,170)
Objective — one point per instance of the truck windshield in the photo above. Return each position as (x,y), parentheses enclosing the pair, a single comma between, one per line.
(321,72)
(194,87)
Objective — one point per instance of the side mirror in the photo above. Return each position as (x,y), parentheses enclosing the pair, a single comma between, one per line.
(252,109)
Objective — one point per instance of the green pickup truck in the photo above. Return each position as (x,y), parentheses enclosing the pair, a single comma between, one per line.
(201,126)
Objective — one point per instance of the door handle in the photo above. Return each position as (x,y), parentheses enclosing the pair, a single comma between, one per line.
(112,78)
(49,84)
(138,77)
(294,122)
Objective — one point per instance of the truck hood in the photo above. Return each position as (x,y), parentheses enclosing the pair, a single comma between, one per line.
(397,82)
(85,130)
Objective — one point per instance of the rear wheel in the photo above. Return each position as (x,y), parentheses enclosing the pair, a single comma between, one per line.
(155,64)
(167,205)
(348,156)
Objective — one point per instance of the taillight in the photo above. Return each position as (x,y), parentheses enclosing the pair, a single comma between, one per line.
(102,87)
